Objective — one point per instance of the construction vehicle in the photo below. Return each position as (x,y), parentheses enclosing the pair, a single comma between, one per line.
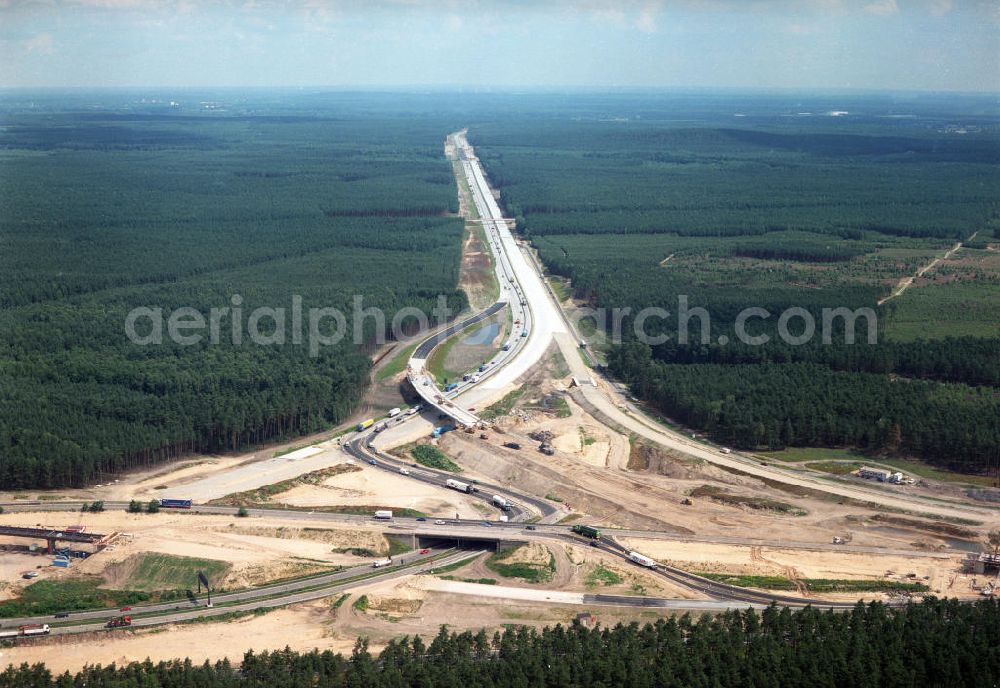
(119,622)
(469,429)
(642,560)
(365,424)
(687,501)
(483,436)
(546,449)
(587,531)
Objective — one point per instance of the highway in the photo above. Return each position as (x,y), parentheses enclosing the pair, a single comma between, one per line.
(551,324)
(267,597)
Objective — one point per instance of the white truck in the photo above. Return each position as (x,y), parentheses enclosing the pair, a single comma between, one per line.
(393,412)
(383,515)
(28,630)
(642,560)
(379,563)
(501,503)
(458,485)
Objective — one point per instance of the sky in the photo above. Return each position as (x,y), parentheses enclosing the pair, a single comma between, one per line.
(898,45)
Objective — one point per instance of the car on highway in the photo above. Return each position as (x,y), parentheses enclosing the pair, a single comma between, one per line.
(421,518)
(125,609)
(404,471)
(530,528)
(425,550)
(486,523)
(62,615)
(373,462)
(439,522)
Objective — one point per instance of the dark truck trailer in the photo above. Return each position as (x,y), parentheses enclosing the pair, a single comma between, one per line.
(587,531)
(175,503)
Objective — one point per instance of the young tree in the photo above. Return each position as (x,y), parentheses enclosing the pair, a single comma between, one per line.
(153,507)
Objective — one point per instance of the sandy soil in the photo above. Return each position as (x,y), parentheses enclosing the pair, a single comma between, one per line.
(378,487)
(402,609)
(258,549)
(942,575)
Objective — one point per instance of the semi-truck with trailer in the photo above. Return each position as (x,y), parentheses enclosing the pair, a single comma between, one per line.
(175,503)
(383,515)
(501,503)
(587,531)
(26,630)
(458,485)
(365,424)
(642,560)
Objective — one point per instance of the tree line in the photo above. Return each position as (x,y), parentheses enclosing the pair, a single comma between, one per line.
(933,644)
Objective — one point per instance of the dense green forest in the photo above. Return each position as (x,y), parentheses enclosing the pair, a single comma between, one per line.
(936,643)
(645,205)
(103,212)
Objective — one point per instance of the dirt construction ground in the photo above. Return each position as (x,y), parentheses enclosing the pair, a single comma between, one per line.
(256,549)
(405,606)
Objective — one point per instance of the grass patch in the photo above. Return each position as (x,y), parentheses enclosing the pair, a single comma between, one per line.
(397,546)
(448,568)
(530,572)
(504,406)
(361,604)
(553,497)
(432,457)
(339,602)
(560,287)
(54,596)
(762,503)
(480,581)
(397,364)
(817,585)
(835,467)
(829,457)
(602,576)
(802,454)
(553,403)
(154,572)
(559,366)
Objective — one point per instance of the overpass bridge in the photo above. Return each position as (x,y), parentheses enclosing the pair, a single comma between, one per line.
(51,537)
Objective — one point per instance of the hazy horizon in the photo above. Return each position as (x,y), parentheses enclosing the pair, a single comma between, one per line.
(936,46)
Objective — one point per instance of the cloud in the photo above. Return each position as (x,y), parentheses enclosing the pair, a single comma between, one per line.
(454,23)
(646,21)
(940,8)
(42,44)
(883,8)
